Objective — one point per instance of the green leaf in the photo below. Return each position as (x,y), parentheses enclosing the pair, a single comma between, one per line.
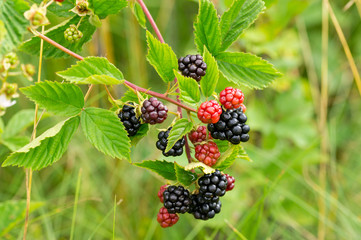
(1,126)
(230,156)
(210,80)
(142,132)
(162,58)
(163,168)
(131,96)
(20,121)
(246,69)
(179,129)
(16,142)
(139,14)
(205,168)
(184,177)
(56,33)
(95,21)
(239,17)
(206,28)
(106,132)
(189,89)
(60,98)
(45,149)
(62,10)
(12,213)
(13,24)
(103,8)
(93,70)
(222,145)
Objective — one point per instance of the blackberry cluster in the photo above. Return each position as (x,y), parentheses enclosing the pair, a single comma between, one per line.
(231,127)
(176,199)
(203,209)
(206,204)
(129,119)
(72,34)
(154,111)
(162,142)
(192,66)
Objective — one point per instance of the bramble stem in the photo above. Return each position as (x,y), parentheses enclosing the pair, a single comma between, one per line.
(159,35)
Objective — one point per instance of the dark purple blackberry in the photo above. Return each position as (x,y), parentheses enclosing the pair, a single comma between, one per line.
(177,199)
(129,119)
(204,209)
(212,185)
(154,111)
(162,142)
(192,66)
(231,126)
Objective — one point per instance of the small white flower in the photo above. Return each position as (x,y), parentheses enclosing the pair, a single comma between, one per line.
(5,102)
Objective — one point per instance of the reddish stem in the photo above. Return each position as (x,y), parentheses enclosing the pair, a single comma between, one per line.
(159,35)
(151,20)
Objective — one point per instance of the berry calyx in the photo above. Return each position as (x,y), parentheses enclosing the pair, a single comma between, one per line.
(209,112)
(231,98)
(176,199)
(230,182)
(162,143)
(199,135)
(160,193)
(192,66)
(166,219)
(212,185)
(207,153)
(154,111)
(231,127)
(72,34)
(129,119)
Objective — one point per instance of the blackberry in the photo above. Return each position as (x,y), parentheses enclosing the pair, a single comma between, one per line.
(129,119)
(154,111)
(192,66)
(166,219)
(212,185)
(231,127)
(177,199)
(162,142)
(203,209)
(72,34)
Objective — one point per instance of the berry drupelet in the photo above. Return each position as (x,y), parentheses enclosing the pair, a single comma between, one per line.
(231,127)
(177,199)
(230,182)
(154,111)
(129,119)
(192,66)
(162,142)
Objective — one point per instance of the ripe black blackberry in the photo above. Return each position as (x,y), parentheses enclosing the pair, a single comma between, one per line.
(154,111)
(162,142)
(129,119)
(204,209)
(231,126)
(212,185)
(177,199)
(192,66)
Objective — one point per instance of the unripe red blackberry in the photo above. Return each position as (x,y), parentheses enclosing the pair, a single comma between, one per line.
(230,182)
(207,153)
(231,98)
(203,209)
(72,34)
(209,112)
(162,143)
(231,127)
(199,135)
(161,191)
(192,66)
(176,199)
(212,185)
(129,119)
(154,111)
(166,219)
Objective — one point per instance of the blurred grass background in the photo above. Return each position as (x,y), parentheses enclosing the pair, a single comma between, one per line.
(277,196)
